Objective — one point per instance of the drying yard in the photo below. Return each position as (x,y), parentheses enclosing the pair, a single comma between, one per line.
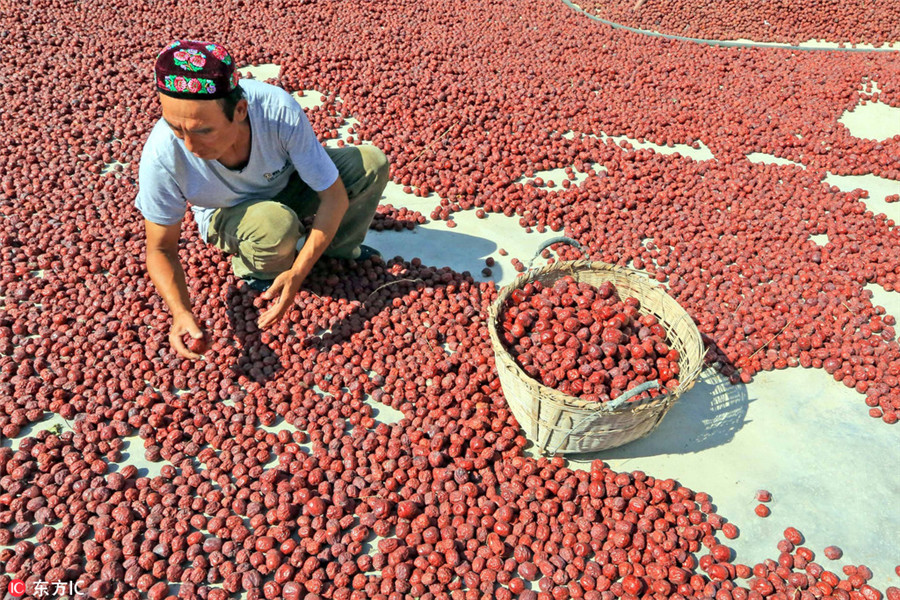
(745,157)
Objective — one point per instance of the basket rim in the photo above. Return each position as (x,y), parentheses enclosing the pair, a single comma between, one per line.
(564,268)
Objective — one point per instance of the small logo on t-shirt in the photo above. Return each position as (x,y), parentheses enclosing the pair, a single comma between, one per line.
(271,176)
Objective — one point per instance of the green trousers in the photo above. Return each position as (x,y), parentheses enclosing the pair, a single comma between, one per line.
(262,235)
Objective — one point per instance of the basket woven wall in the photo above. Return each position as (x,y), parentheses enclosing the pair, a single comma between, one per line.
(559,423)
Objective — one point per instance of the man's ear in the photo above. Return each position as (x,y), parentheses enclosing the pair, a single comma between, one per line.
(240,109)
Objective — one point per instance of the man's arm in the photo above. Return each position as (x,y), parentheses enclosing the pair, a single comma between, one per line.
(333,203)
(167,275)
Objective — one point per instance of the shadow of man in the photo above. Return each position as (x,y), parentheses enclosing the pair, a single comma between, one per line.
(257,361)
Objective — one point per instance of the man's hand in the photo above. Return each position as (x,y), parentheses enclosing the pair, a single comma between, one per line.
(167,275)
(332,207)
(285,287)
(181,324)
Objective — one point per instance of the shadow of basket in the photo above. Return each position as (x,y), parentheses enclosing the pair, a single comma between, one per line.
(708,415)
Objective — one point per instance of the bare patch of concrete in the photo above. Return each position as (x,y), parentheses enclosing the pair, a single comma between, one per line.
(878,188)
(437,244)
(382,413)
(308,98)
(700,153)
(872,121)
(889,300)
(261,72)
(557,176)
(824,45)
(789,432)
(116,168)
(768,159)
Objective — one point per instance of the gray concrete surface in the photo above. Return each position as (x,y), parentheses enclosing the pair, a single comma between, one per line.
(800,435)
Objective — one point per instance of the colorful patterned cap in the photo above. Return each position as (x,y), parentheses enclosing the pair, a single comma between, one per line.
(195,70)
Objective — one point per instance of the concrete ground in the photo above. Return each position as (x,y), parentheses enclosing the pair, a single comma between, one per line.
(831,469)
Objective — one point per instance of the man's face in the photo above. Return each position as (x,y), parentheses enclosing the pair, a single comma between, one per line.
(202,125)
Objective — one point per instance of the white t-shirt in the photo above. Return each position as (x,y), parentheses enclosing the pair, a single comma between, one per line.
(170,177)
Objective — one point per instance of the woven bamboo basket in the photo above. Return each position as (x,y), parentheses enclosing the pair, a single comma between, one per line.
(559,423)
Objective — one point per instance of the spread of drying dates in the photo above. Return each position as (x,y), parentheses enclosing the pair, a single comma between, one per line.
(387,218)
(586,341)
(847,21)
(458,95)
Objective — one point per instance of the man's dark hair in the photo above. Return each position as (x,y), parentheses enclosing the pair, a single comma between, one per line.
(229,102)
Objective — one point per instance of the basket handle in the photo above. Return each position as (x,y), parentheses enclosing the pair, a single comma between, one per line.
(612,405)
(556,240)
(622,399)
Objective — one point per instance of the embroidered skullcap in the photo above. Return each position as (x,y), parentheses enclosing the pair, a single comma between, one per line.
(195,70)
